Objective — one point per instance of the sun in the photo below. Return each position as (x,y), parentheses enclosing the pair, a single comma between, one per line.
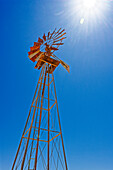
(91,8)
(88,10)
(89,4)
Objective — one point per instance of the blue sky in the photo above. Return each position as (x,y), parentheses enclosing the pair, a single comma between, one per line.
(85,96)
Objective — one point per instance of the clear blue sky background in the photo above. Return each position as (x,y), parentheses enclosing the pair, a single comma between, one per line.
(85,96)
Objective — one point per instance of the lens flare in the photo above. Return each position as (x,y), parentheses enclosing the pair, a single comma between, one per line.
(82,21)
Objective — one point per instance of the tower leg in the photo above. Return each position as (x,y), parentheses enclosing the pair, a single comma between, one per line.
(30,131)
(48,121)
(26,122)
(60,124)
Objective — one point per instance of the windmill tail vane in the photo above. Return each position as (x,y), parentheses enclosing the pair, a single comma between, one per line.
(43,50)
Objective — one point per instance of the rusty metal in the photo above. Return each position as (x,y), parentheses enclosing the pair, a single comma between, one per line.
(35,144)
(60,126)
(48,121)
(40,118)
(26,123)
(29,132)
(42,53)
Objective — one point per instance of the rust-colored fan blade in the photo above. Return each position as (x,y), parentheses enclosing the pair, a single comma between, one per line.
(30,52)
(40,56)
(56,33)
(58,44)
(40,40)
(59,40)
(36,56)
(60,36)
(53,33)
(44,37)
(34,48)
(37,44)
(33,54)
(53,48)
(46,44)
(48,35)
(60,33)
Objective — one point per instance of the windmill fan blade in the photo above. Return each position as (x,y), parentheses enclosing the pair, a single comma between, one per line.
(66,66)
(60,33)
(44,37)
(35,48)
(59,40)
(56,33)
(40,40)
(37,44)
(60,36)
(36,56)
(53,48)
(48,35)
(58,44)
(33,54)
(53,33)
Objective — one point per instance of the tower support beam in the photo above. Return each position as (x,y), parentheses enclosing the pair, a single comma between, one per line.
(48,121)
(30,129)
(40,118)
(60,124)
(26,123)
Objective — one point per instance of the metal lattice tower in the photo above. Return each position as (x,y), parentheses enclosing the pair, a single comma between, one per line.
(41,146)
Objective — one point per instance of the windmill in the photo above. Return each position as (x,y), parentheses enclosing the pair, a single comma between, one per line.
(41,146)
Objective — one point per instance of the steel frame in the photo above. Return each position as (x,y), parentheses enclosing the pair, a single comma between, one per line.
(45,79)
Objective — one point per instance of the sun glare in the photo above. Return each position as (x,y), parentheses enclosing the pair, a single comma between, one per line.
(91,8)
(89,4)
(88,10)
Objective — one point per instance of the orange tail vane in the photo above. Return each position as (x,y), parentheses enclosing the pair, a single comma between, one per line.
(43,49)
